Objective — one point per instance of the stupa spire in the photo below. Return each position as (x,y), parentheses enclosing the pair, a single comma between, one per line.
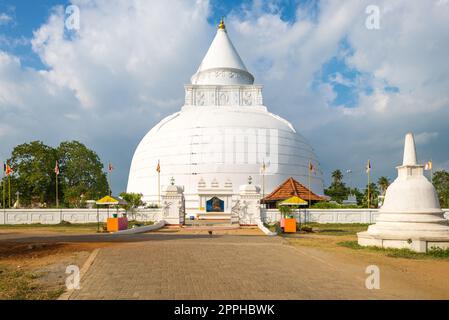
(222,24)
(222,64)
(409,151)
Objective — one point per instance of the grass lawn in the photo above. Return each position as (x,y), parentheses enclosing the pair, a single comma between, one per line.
(330,229)
(24,285)
(435,253)
(338,235)
(337,229)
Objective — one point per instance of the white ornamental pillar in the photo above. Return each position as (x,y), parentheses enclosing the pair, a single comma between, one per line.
(173,209)
(249,201)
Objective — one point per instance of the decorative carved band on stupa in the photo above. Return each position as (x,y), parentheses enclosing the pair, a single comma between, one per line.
(218,75)
(210,95)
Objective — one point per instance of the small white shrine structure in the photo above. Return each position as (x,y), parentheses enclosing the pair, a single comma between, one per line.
(411,216)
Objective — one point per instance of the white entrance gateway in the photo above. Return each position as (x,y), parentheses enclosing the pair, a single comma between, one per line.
(222,135)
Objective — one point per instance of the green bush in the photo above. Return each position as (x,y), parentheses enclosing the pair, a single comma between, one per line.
(330,205)
(438,252)
(134,223)
(304,227)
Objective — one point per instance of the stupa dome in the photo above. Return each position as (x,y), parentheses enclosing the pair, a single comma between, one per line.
(222,132)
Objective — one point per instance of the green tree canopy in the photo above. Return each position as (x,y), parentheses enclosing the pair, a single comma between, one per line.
(383,183)
(33,164)
(82,177)
(81,174)
(441,182)
(337,190)
(133,200)
(337,176)
(373,195)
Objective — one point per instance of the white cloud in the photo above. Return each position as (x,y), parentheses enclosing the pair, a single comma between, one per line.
(5,19)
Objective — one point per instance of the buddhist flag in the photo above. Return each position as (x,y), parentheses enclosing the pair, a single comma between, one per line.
(428,165)
(368,167)
(311,167)
(8,169)
(57,168)
(158,168)
(110,167)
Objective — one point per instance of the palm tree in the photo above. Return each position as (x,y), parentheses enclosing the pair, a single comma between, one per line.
(337,176)
(373,195)
(383,184)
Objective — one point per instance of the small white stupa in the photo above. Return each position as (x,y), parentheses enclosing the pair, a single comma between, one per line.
(411,216)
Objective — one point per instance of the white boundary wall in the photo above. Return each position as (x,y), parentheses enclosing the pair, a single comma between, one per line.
(328,215)
(55,216)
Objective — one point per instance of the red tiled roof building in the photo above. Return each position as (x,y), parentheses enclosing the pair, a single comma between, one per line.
(287,189)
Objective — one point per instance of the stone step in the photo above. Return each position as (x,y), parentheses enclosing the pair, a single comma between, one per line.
(207,222)
(210,216)
(211,227)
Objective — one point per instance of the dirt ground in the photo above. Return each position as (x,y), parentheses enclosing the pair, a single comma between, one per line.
(36,270)
(430,277)
(43,261)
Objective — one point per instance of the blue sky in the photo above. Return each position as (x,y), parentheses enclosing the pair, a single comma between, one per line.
(29,17)
(352,92)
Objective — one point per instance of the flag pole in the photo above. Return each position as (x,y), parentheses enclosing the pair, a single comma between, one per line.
(110,187)
(4,187)
(9,192)
(310,167)
(431,171)
(159,187)
(57,196)
(369,171)
(263,179)
(109,178)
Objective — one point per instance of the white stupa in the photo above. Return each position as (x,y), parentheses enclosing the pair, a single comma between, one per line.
(411,216)
(222,135)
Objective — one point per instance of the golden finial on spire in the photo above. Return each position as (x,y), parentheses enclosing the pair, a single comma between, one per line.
(222,24)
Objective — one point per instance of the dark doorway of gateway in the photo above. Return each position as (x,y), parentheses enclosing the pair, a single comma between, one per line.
(215,205)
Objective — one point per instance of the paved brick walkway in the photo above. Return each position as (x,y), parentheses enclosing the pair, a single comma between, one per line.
(220,267)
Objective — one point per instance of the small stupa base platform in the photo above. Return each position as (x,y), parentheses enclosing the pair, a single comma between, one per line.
(418,244)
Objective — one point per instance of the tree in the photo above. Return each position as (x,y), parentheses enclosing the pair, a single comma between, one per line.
(441,183)
(337,190)
(285,210)
(383,183)
(133,200)
(33,164)
(81,173)
(373,196)
(337,176)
